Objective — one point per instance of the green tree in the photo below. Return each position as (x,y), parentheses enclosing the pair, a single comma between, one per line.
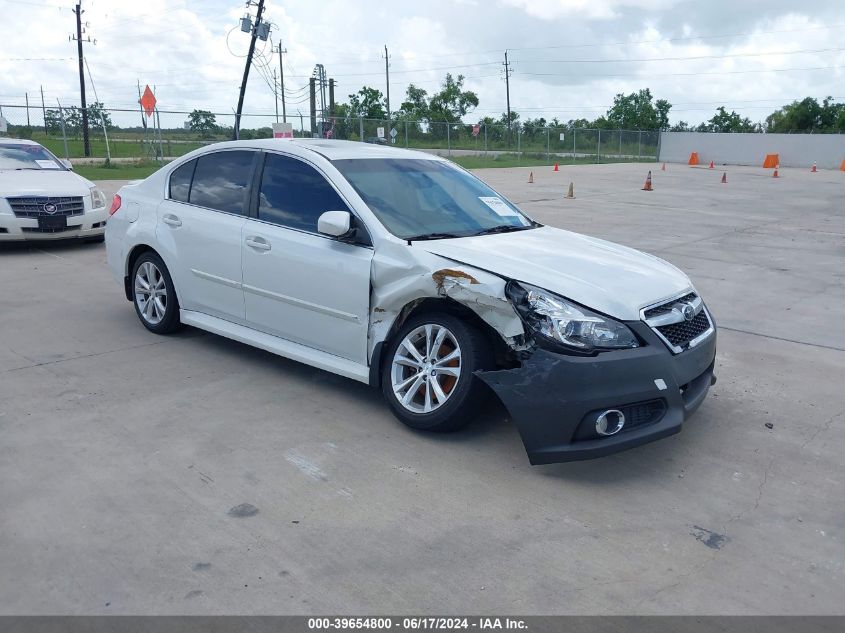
(202,121)
(99,116)
(415,105)
(724,121)
(637,112)
(368,103)
(808,116)
(452,102)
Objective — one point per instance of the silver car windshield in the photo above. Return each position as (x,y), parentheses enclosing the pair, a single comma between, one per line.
(429,199)
(23,156)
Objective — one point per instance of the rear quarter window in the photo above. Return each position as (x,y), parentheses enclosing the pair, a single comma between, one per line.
(180,181)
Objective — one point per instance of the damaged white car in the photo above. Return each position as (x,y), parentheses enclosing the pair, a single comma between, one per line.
(399,269)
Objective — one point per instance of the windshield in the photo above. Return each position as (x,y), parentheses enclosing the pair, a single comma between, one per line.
(429,199)
(25,156)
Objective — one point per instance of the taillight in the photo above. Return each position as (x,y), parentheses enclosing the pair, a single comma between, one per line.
(115,205)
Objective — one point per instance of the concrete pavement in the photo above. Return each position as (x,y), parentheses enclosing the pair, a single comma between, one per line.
(193,475)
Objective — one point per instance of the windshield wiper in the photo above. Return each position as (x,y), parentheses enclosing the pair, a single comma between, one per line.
(503,228)
(432,236)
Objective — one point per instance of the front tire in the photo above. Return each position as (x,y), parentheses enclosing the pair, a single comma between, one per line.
(428,372)
(154,296)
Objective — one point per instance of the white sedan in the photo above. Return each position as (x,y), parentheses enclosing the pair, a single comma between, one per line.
(41,198)
(401,270)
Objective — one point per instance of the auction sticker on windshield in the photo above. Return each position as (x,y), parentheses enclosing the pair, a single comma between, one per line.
(46,164)
(498,205)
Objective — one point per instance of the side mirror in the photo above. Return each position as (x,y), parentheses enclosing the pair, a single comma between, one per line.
(334,223)
(66,163)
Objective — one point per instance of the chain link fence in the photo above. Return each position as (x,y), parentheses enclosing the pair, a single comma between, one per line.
(129,135)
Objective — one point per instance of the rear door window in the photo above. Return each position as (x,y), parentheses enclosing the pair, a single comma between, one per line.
(221,181)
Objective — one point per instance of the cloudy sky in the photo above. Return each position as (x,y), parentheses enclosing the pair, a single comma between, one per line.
(570,57)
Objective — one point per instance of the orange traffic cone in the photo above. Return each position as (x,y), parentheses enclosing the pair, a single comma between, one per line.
(814,170)
(571,192)
(775,175)
(556,168)
(711,165)
(647,185)
(725,177)
(530,177)
(663,168)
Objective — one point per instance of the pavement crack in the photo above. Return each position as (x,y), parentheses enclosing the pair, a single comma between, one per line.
(81,356)
(822,428)
(757,499)
(781,338)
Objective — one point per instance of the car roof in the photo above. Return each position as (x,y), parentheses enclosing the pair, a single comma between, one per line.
(17,141)
(332,149)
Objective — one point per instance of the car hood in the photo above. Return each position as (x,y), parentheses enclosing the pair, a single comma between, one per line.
(601,275)
(43,182)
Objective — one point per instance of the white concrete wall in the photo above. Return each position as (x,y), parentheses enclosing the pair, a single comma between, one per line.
(795,150)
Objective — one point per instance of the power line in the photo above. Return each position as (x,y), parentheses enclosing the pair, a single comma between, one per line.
(678,59)
(695,74)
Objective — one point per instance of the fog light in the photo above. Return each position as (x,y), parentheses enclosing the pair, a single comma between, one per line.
(610,422)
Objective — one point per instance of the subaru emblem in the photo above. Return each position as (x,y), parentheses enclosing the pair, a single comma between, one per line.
(688,311)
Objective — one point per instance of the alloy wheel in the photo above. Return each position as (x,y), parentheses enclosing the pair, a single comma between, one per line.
(425,368)
(150,293)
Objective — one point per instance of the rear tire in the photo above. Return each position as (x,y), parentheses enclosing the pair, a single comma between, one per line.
(428,372)
(153,294)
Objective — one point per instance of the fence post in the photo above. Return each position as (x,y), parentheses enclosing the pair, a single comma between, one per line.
(449,139)
(361,129)
(548,146)
(640,146)
(620,144)
(485,140)
(519,143)
(406,134)
(64,133)
(573,144)
(598,148)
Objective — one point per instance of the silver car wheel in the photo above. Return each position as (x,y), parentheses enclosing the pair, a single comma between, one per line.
(426,368)
(150,293)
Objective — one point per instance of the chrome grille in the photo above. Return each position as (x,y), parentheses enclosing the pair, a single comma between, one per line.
(680,323)
(667,307)
(33,206)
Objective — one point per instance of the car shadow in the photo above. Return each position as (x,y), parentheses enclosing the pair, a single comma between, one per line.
(54,247)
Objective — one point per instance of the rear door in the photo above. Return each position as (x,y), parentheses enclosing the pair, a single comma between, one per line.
(199,229)
(298,284)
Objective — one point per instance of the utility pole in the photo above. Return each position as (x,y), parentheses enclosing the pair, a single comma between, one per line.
(312,94)
(276,90)
(282,80)
(254,36)
(43,110)
(387,81)
(86,143)
(508,93)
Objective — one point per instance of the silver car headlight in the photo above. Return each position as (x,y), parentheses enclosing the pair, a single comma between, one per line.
(568,323)
(98,198)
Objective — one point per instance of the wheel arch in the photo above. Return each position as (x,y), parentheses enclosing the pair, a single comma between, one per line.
(131,258)
(430,305)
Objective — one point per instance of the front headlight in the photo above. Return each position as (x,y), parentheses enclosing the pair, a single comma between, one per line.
(568,323)
(98,198)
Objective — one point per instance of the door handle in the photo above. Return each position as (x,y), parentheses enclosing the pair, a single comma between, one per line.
(171,220)
(258,243)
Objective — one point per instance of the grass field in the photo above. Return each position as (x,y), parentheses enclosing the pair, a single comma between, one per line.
(125,171)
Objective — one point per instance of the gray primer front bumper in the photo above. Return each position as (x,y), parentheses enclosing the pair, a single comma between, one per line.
(550,394)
